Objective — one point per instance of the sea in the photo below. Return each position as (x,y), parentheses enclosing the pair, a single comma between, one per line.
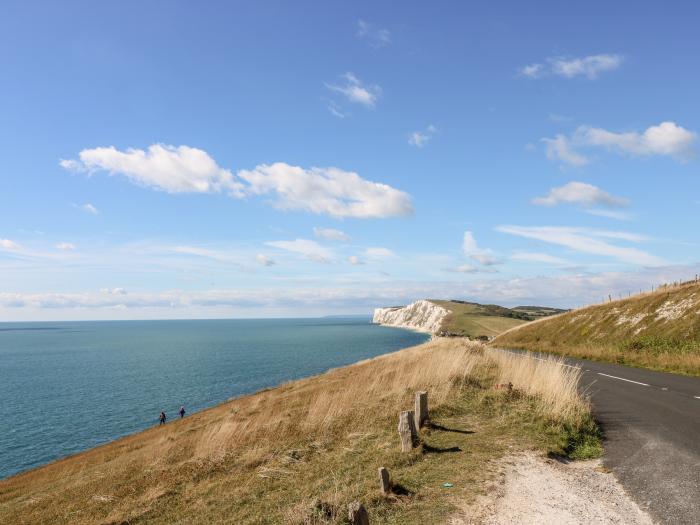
(68,386)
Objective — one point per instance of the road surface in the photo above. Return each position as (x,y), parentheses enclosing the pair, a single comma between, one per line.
(651,422)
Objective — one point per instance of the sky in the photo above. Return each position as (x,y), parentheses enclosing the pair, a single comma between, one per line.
(173,159)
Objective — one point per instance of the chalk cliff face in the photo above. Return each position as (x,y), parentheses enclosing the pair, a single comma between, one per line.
(421,315)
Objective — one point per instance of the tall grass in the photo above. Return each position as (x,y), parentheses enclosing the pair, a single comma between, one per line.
(345,398)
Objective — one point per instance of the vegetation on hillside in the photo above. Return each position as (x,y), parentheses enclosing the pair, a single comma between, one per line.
(300,452)
(483,321)
(658,330)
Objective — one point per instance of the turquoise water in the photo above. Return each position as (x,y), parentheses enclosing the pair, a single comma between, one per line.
(66,387)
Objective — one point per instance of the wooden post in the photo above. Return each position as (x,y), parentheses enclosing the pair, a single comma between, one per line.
(384,484)
(357,514)
(421,408)
(407,430)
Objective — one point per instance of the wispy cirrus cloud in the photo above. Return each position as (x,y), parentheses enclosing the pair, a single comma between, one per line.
(665,139)
(330,191)
(541,258)
(264,260)
(374,36)
(9,245)
(590,66)
(331,234)
(379,252)
(588,241)
(306,247)
(421,138)
(355,91)
(473,251)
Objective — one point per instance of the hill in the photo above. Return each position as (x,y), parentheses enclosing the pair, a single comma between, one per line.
(658,330)
(299,453)
(482,321)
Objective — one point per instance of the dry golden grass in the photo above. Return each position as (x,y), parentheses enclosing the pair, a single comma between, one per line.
(658,330)
(299,452)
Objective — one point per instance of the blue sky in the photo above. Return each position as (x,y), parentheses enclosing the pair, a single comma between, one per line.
(173,159)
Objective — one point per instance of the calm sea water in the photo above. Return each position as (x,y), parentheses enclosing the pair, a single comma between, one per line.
(66,387)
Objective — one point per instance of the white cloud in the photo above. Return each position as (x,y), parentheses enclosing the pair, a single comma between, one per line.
(567,290)
(87,207)
(485,258)
(466,268)
(336,110)
(7,244)
(538,257)
(379,252)
(588,241)
(263,260)
(182,169)
(561,148)
(355,91)
(472,250)
(331,234)
(532,70)
(206,253)
(589,66)
(664,139)
(421,138)
(376,37)
(65,246)
(331,191)
(171,169)
(470,268)
(113,291)
(580,193)
(667,138)
(355,260)
(611,214)
(308,248)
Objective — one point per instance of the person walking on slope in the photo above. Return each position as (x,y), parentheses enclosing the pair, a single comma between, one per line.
(162,418)
(182,411)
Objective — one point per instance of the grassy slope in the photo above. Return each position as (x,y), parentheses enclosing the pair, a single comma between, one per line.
(486,320)
(659,330)
(300,452)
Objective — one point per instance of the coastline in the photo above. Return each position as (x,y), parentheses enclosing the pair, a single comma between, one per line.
(129,433)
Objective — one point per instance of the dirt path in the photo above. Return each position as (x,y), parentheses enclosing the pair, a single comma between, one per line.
(536,490)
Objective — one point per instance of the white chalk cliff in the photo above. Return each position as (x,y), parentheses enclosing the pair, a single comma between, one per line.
(421,315)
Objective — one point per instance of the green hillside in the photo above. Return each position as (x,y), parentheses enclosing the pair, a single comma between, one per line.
(480,321)
(659,330)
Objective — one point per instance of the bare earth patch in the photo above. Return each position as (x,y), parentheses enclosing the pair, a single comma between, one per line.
(537,490)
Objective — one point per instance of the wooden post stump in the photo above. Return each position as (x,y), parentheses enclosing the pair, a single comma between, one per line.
(357,514)
(407,430)
(421,408)
(384,484)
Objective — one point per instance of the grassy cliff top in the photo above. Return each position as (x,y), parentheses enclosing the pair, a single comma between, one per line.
(476,320)
(658,330)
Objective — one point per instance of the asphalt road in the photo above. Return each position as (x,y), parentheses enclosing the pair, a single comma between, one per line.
(651,422)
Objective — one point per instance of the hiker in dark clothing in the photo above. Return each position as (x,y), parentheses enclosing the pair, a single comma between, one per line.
(162,418)
(182,412)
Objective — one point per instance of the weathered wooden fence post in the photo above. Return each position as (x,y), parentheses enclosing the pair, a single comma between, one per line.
(384,484)
(357,514)
(407,430)
(421,408)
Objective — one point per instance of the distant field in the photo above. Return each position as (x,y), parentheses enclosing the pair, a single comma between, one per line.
(659,330)
(487,320)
